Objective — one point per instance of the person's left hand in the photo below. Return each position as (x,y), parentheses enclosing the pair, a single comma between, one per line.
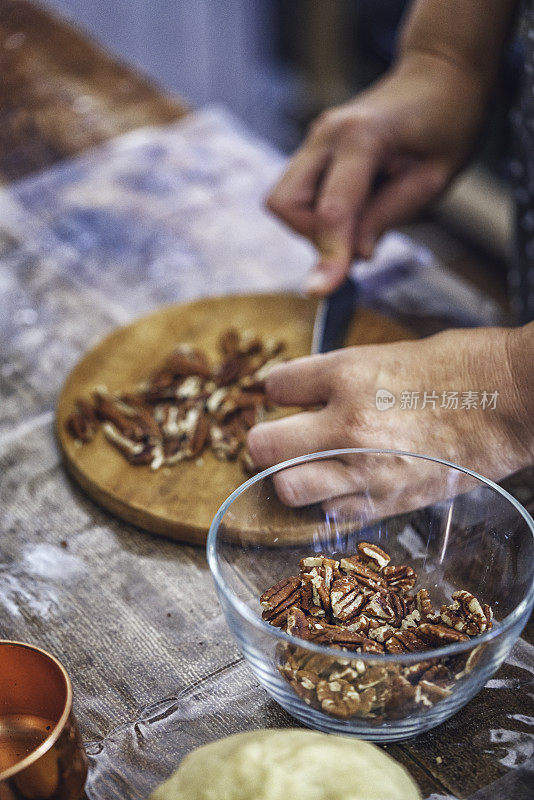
(340,390)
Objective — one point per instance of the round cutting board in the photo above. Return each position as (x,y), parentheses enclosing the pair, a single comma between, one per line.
(180,501)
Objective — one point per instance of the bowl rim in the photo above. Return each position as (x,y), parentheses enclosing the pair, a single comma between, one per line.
(59,726)
(406,658)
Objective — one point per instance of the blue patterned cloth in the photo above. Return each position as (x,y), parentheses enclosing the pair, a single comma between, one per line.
(521,272)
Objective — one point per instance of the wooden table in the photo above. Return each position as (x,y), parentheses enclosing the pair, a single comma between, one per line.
(51,530)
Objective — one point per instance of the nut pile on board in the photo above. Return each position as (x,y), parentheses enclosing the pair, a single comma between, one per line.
(364,604)
(186,406)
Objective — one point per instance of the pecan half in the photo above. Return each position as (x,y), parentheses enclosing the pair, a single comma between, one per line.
(346,599)
(466,614)
(373,556)
(408,640)
(387,606)
(401,578)
(367,578)
(437,635)
(307,597)
(277,600)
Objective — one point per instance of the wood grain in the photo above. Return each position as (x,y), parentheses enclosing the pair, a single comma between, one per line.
(61,93)
(181,501)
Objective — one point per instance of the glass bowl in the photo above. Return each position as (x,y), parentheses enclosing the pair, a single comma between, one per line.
(456,529)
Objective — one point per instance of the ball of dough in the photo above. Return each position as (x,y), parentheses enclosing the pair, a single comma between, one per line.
(288,765)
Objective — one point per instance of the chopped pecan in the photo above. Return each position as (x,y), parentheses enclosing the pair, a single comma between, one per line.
(225,442)
(370,646)
(466,662)
(411,620)
(432,691)
(174,451)
(437,673)
(400,698)
(107,411)
(122,442)
(424,606)
(363,624)
(382,633)
(277,600)
(298,624)
(181,364)
(372,677)
(416,671)
(231,370)
(197,432)
(248,465)
(229,342)
(249,383)
(156,414)
(401,578)
(338,698)
(191,388)
(306,681)
(373,556)
(83,423)
(233,343)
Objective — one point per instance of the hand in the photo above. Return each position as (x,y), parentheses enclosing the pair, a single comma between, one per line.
(493,442)
(413,130)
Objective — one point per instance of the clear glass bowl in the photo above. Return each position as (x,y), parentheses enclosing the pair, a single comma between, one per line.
(456,529)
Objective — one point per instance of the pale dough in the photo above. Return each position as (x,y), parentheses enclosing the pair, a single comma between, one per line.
(288,765)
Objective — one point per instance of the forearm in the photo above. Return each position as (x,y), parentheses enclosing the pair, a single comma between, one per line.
(470,34)
(520,364)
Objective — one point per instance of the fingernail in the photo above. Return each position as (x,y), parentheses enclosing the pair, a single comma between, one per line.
(317,281)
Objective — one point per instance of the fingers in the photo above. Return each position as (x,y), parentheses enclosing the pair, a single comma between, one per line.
(343,193)
(324,189)
(301,382)
(293,197)
(270,443)
(316,482)
(398,200)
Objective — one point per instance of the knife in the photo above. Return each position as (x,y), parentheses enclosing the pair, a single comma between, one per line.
(333,317)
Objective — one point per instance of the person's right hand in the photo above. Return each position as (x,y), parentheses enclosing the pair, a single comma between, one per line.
(413,130)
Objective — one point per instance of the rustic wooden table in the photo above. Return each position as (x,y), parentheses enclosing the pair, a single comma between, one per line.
(135,618)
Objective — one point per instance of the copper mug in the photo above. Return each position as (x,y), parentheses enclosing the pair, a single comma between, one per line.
(41,753)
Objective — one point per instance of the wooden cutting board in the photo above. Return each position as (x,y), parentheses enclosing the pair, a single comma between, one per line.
(180,501)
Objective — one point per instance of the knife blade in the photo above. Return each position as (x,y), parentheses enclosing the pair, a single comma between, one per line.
(333,317)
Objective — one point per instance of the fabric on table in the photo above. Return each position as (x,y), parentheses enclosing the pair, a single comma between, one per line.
(158,216)
(521,272)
